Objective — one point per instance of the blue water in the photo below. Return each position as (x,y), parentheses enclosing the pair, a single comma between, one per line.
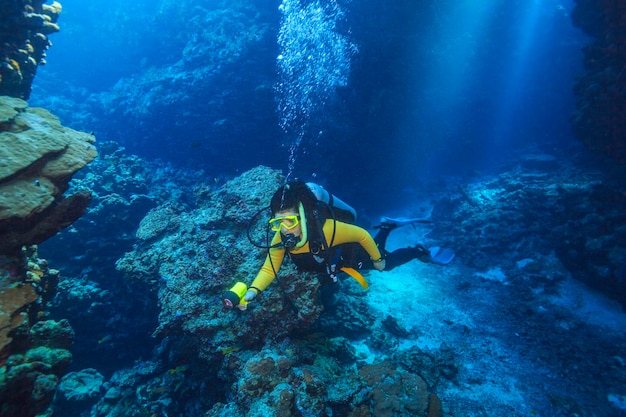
(397,107)
(362,88)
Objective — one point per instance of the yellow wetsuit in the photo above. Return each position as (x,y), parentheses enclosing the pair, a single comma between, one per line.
(344,233)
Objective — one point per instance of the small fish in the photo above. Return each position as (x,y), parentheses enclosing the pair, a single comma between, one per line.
(178,369)
(230,349)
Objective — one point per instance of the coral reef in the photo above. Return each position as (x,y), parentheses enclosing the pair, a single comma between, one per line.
(110,312)
(300,348)
(34,351)
(24,29)
(599,120)
(271,359)
(39,156)
(538,208)
(26,283)
(190,256)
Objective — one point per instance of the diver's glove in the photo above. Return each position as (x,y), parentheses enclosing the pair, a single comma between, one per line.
(379,264)
(250,294)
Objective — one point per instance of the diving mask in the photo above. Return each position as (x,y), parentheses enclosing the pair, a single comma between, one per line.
(284,222)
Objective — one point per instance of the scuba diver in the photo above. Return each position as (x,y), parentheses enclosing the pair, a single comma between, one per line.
(313,228)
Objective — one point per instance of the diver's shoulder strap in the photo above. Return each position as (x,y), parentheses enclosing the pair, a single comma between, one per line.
(331,200)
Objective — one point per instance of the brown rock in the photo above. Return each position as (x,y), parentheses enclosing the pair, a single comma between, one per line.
(38,156)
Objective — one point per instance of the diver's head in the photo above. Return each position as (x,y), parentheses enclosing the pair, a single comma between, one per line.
(289,224)
(290,206)
(290,195)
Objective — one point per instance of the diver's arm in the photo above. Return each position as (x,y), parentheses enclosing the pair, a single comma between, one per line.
(349,233)
(273,261)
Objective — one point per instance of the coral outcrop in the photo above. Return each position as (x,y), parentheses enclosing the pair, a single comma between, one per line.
(38,157)
(599,120)
(189,255)
(30,377)
(24,29)
(79,389)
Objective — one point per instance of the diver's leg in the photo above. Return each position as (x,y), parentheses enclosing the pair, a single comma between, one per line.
(381,237)
(401,256)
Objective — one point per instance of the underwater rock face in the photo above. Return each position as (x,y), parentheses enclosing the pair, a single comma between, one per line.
(24,29)
(38,157)
(599,120)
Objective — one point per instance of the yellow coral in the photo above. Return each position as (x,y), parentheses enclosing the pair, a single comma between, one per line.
(14,65)
(52,9)
(49,27)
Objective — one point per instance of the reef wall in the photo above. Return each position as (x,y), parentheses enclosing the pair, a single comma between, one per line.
(599,120)
(24,29)
(38,157)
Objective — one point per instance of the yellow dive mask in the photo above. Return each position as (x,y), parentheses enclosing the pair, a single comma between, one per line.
(286,222)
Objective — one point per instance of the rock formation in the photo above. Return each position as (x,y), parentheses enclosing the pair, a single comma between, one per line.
(38,157)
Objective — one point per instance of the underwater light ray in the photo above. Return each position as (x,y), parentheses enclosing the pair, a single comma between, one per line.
(447,63)
(516,71)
